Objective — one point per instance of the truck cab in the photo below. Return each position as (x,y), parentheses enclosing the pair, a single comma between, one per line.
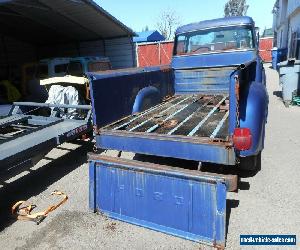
(218,43)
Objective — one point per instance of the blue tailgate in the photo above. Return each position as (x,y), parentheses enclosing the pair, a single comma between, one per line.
(185,203)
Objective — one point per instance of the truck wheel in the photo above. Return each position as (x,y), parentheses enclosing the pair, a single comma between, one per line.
(250,163)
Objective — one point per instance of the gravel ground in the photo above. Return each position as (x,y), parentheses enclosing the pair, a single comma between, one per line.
(267,203)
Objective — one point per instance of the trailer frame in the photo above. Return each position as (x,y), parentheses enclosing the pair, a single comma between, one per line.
(24,136)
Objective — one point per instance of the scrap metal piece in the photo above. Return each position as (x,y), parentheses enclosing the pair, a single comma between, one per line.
(22,210)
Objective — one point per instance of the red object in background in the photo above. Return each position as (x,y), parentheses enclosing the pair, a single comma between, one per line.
(265,48)
(148,55)
(166,52)
(153,54)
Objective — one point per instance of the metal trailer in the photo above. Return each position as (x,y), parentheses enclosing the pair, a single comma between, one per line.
(25,138)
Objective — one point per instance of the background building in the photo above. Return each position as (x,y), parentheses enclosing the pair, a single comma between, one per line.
(286,26)
(148,36)
(37,29)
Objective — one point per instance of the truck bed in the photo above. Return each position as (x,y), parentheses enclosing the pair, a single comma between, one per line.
(179,127)
(188,115)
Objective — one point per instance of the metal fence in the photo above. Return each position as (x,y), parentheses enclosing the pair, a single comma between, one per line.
(265,48)
(154,53)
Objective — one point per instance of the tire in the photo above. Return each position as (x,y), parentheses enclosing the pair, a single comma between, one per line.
(250,163)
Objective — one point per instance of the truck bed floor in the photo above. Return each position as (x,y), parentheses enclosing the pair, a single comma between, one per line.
(195,115)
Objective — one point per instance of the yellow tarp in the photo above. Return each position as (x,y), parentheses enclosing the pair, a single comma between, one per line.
(13,93)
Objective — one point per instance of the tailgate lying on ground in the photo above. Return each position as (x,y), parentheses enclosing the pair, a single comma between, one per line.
(184,203)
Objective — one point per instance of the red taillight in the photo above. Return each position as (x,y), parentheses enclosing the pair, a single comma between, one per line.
(242,139)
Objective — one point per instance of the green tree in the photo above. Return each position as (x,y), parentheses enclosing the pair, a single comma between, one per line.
(235,8)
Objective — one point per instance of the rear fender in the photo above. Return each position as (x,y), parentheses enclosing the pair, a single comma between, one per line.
(253,115)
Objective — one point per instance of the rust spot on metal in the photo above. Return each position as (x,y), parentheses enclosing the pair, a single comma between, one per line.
(206,97)
(194,108)
(224,107)
(180,138)
(169,124)
(237,87)
(217,246)
(165,68)
(167,98)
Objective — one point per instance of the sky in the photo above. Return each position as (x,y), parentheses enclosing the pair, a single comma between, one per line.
(137,14)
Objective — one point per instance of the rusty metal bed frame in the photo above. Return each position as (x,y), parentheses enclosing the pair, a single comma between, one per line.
(192,127)
(188,115)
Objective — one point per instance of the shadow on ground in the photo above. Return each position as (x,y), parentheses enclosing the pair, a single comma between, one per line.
(207,168)
(204,167)
(277,93)
(173,162)
(230,204)
(36,181)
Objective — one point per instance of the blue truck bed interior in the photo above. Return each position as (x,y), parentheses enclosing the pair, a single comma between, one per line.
(128,91)
(212,80)
(184,203)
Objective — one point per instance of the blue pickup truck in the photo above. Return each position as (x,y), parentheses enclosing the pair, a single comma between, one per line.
(210,105)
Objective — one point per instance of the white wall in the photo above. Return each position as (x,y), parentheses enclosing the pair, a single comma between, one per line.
(286,21)
(57,50)
(121,52)
(92,48)
(281,24)
(295,22)
(14,53)
(282,37)
(293,5)
(294,26)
